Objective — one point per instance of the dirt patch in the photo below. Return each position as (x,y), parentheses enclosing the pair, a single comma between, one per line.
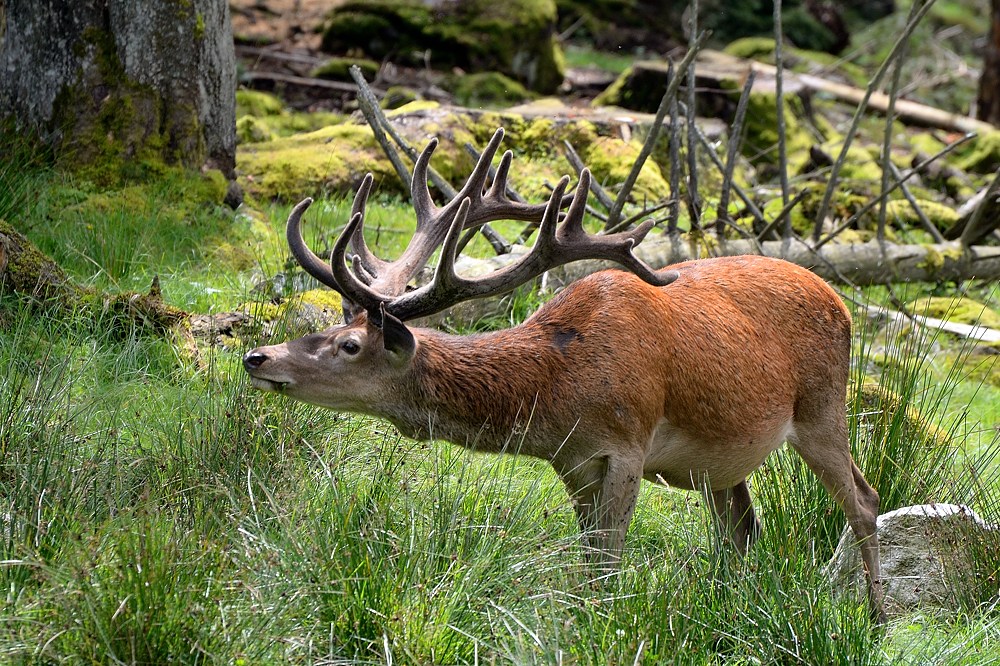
(290,24)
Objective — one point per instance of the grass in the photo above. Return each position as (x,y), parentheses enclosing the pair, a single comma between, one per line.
(158,510)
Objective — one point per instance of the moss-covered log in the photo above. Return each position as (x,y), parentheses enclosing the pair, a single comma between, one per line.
(27,272)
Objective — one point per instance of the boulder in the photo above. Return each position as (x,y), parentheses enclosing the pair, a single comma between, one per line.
(516,39)
(933,556)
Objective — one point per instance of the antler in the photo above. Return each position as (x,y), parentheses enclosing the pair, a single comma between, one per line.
(433,222)
(374,283)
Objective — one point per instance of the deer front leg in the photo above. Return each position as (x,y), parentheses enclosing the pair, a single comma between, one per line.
(604,492)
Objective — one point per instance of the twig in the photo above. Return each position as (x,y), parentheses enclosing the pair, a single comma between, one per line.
(909,174)
(676,166)
(924,220)
(890,116)
(784,215)
(779,103)
(693,200)
(735,140)
(574,159)
(978,227)
(377,120)
(856,120)
(673,83)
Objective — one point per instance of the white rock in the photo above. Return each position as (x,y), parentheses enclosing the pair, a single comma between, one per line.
(928,555)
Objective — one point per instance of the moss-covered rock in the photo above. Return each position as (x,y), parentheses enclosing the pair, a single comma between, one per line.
(262,116)
(902,212)
(252,130)
(339,69)
(490,89)
(639,88)
(984,154)
(760,143)
(515,38)
(398,96)
(308,164)
(337,157)
(258,104)
(882,413)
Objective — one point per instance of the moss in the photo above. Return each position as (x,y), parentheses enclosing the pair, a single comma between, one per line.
(398,96)
(414,107)
(961,310)
(258,104)
(199,27)
(488,89)
(338,69)
(323,298)
(859,166)
(984,154)
(25,270)
(752,48)
(611,160)
(761,132)
(252,130)
(513,37)
(330,159)
(925,143)
(941,216)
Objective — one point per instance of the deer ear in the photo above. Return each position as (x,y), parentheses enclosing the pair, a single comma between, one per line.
(396,337)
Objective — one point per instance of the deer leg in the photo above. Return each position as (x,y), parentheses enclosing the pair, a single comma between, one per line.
(604,493)
(826,450)
(735,515)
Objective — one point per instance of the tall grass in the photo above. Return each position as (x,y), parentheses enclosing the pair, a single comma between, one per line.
(156,512)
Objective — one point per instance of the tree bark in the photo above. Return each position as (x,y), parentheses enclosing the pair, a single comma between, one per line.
(988,104)
(120,83)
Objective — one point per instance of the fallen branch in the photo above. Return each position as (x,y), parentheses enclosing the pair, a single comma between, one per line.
(971,331)
(909,112)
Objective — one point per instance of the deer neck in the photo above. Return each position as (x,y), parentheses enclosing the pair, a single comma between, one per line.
(482,391)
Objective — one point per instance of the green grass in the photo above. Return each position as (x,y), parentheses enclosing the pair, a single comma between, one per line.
(155,509)
(153,513)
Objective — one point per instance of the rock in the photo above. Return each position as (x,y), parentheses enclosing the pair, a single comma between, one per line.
(515,39)
(931,557)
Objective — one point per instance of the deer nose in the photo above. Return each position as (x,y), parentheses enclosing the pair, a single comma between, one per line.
(253,360)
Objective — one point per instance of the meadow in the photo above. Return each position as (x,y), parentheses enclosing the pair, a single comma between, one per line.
(155,509)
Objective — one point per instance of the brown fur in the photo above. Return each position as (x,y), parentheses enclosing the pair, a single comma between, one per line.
(615,380)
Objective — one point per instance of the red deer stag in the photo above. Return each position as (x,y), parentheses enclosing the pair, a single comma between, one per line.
(689,376)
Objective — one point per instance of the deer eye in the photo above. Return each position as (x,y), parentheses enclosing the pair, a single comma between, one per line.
(350,347)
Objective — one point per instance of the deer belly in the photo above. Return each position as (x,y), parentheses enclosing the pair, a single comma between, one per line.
(684,460)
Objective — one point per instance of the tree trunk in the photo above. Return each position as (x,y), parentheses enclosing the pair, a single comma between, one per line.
(988,106)
(122,84)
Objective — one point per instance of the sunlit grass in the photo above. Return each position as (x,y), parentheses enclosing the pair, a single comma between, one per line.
(155,509)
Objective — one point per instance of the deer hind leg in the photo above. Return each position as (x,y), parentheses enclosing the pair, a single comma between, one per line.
(735,515)
(604,493)
(826,450)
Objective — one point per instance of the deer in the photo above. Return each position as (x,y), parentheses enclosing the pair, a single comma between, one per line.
(688,376)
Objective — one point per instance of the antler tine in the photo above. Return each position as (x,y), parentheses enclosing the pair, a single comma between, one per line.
(556,244)
(368,265)
(448,288)
(345,281)
(312,264)
(420,195)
